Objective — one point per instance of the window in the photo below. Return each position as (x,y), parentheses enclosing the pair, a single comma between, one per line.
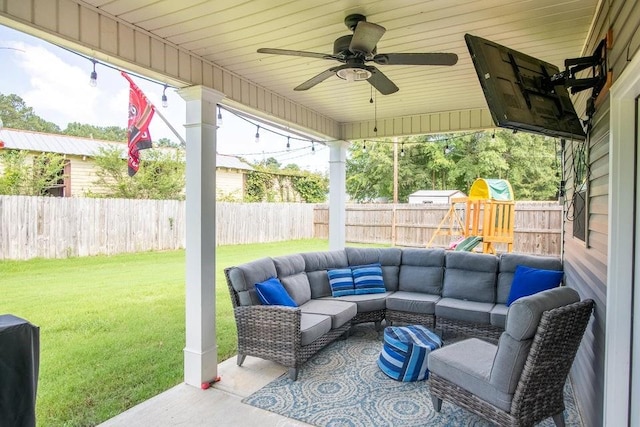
(578,209)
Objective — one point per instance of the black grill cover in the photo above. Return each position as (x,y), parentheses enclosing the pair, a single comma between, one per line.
(19,363)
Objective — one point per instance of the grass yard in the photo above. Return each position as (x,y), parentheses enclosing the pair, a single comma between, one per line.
(112,327)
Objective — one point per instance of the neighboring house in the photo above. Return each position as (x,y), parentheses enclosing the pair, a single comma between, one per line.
(435,196)
(78,176)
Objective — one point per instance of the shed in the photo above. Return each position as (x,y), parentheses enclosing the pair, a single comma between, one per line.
(435,196)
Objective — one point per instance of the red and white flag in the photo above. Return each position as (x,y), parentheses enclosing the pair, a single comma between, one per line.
(140,115)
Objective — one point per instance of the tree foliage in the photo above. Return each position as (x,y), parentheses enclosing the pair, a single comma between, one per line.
(161,175)
(454,162)
(29,176)
(15,114)
(270,182)
(108,133)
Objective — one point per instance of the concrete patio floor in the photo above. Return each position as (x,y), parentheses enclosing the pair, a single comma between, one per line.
(220,405)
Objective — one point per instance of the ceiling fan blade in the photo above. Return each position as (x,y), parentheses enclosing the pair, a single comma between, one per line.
(381,82)
(366,37)
(416,59)
(317,79)
(295,53)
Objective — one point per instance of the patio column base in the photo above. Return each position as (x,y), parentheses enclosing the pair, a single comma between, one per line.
(200,367)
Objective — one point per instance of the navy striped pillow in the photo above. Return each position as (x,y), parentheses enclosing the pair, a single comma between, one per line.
(368,279)
(341,282)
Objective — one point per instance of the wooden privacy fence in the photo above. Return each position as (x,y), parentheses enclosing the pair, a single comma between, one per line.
(50,227)
(537,225)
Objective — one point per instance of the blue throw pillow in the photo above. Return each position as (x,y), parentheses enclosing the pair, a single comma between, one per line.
(341,282)
(529,281)
(368,279)
(271,292)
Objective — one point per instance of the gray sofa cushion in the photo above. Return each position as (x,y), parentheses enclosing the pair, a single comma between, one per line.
(244,277)
(507,268)
(389,259)
(499,315)
(313,326)
(470,276)
(297,286)
(289,265)
(525,313)
(508,363)
(422,270)
(366,302)
(316,265)
(468,311)
(291,272)
(452,362)
(412,302)
(340,312)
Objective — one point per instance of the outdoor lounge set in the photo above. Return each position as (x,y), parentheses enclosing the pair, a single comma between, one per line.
(318,296)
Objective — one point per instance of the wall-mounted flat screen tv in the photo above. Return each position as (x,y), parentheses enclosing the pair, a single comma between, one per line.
(519,91)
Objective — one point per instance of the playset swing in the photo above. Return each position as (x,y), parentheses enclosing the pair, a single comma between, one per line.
(489,216)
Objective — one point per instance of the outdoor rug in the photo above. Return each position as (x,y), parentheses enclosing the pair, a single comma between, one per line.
(343,386)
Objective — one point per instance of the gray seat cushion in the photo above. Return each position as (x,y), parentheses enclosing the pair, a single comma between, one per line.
(468,311)
(340,312)
(498,315)
(366,302)
(452,362)
(412,302)
(313,326)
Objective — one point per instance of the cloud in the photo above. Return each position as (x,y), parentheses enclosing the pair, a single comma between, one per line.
(58,91)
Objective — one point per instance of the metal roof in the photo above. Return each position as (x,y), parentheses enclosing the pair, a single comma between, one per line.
(72,145)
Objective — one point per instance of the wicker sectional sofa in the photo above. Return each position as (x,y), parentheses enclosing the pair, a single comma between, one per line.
(459,293)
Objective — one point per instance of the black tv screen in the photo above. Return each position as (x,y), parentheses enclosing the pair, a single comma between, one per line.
(519,91)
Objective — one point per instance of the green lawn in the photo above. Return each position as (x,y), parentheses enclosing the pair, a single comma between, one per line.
(112,328)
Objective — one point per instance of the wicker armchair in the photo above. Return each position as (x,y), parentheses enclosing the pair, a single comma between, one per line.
(521,383)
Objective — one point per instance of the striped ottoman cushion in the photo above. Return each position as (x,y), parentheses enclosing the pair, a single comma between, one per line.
(405,351)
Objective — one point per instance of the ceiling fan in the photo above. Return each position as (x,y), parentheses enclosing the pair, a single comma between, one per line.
(356,49)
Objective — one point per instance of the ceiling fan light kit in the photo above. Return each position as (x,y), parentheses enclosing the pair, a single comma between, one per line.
(358,48)
(353,74)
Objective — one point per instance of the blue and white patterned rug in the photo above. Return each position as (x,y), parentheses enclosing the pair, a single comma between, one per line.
(343,386)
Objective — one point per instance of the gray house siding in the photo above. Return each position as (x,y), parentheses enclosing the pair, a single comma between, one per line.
(586,261)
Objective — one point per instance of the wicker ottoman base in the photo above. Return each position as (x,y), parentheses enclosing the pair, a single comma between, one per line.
(405,351)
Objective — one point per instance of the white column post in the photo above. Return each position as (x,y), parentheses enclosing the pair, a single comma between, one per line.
(337,193)
(200,352)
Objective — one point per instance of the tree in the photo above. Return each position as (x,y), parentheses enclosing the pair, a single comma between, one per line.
(108,133)
(16,115)
(454,161)
(161,175)
(20,176)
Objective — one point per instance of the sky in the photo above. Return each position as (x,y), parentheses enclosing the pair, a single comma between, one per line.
(55,83)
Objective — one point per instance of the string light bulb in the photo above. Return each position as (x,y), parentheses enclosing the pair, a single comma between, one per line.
(93,80)
(257,134)
(402,150)
(313,147)
(165,102)
(364,147)
(219,117)
(493,135)
(288,144)
(447,149)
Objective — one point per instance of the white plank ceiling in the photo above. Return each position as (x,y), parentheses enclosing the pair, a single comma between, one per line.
(228,32)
